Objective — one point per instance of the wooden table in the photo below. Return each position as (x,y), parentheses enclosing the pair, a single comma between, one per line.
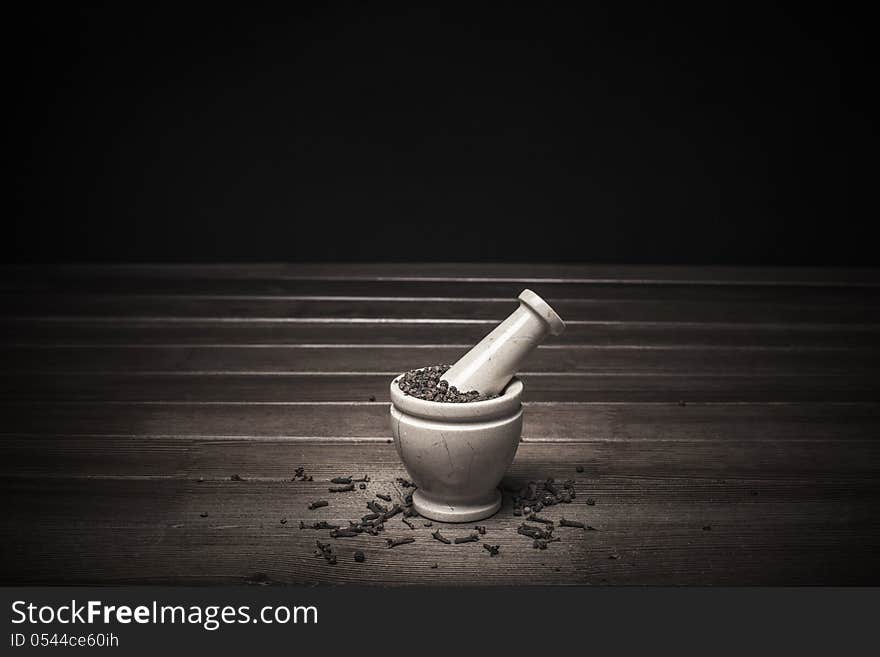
(726,420)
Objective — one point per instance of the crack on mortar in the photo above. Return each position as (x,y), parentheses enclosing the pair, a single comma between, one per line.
(451,464)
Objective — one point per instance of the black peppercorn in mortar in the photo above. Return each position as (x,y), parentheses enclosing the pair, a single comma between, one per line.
(425,384)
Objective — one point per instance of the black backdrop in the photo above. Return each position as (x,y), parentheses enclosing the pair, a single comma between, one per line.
(607,134)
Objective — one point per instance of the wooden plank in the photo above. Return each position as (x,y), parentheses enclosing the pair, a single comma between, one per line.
(558,290)
(586,387)
(683,468)
(378,331)
(395,359)
(464,272)
(552,421)
(814,523)
(571,310)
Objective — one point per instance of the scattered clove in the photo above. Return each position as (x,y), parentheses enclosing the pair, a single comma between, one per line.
(383,496)
(375,507)
(236,477)
(323,524)
(394,542)
(440,537)
(327,551)
(535,518)
(343,533)
(407,523)
(341,489)
(318,504)
(481,529)
(340,480)
(535,532)
(299,474)
(572,523)
(406,483)
(471,538)
(359,556)
(493,549)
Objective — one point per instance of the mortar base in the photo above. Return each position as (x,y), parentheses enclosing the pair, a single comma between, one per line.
(455,512)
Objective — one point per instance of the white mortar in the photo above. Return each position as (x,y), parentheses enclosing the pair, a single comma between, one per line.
(457,454)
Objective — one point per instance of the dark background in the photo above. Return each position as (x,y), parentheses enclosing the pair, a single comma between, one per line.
(607,134)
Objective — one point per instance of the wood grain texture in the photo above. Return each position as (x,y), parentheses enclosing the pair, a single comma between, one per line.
(782,309)
(579,387)
(464,272)
(195,331)
(651,507)
(392,360)
(131,394)
(543,421)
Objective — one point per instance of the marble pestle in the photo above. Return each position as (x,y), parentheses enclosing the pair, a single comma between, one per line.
(490,365)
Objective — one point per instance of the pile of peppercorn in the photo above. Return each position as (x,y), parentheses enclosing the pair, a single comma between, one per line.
(425,384)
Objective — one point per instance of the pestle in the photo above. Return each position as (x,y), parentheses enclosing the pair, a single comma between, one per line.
(490,365)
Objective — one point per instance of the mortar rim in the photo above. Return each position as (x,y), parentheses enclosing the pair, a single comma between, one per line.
(508,403)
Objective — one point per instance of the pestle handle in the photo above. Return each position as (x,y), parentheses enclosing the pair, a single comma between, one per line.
(492,362)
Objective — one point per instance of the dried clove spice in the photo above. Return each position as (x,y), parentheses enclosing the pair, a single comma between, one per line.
(359,556)
(343,533)
(406,483)
(327,551)
(535,532)
(407,523)
(365,478)
(533,497)
(481,529)
(383,496)
(323,524)
(299,474)
(362,486)
(340,480)
(572,523)
(425,384)
(591,501)
(370,516)
(541,543)
(236,477)
(393,511)
(394,542)
(535,518)
(375,507)
(341,489)
(318,504)
(440,537)
(493,549)
(471,538)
